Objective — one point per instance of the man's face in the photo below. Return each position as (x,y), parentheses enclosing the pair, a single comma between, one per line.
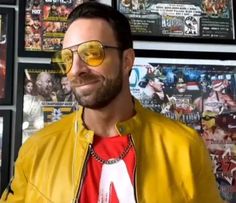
(94,87)
(36,23)
(36,37)
(28,29)
(156,85)
(181,87)
(28,18)
(63,9)
(65,85)
(45,84)
(218,85)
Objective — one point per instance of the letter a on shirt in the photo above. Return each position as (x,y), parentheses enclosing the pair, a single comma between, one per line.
(116,175)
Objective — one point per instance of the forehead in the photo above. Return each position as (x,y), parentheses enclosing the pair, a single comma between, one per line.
(45,77)
(85,29)
(29,84)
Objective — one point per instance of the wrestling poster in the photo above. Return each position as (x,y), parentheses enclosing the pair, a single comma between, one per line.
(45,23)
(177,18)
(47,98)
(202,96)
(3,50)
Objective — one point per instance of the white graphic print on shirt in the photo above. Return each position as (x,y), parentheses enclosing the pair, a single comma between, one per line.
(117,175)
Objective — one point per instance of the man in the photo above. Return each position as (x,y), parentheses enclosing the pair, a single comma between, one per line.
(217,100)
(36,24)
(111,149)
(153,95)
(66,89)
(44,86)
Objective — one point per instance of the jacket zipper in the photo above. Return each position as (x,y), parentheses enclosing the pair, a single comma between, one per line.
(84,171)
(82,175)
(135,172)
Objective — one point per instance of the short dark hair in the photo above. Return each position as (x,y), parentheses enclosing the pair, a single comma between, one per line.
(117,20)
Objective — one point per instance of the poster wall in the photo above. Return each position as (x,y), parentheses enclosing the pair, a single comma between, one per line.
(198,19)
(43,24)
(201,94)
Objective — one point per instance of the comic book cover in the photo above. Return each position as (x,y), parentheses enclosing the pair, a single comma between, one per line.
(47,98)
(45,23)
(3,43)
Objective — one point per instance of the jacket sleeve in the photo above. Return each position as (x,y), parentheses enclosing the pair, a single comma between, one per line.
(16,190)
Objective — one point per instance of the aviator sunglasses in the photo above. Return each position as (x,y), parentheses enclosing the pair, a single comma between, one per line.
(91,52)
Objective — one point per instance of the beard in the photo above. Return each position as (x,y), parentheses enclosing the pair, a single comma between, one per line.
(101,96)
(45,91)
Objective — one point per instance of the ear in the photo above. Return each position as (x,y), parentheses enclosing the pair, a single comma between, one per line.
(128,59)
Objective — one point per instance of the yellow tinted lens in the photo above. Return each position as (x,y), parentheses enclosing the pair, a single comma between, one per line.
(63,60)
(67,58)
(91,53)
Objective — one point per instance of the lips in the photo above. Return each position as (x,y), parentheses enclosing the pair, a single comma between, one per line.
(83,80)
(80,83)
(84,83)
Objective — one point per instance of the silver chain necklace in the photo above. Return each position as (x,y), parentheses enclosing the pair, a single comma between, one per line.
(113,160)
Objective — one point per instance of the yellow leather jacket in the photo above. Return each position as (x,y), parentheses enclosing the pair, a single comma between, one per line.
(172,163)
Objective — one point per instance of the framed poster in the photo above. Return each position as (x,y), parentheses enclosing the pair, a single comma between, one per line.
(12,2)
(5,148)
(44,96)
(210,21)
(199,92)
(42,27)
(6,54)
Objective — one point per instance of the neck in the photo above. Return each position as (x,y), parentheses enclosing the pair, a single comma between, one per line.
(103,121)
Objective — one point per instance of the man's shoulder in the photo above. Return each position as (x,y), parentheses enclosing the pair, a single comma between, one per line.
(65,123)
(167,127)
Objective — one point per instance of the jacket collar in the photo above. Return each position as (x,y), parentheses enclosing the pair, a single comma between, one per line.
(123,128)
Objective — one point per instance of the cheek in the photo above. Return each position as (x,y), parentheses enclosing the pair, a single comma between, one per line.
(112,69)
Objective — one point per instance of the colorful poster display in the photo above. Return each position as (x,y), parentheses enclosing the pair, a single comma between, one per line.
(45,23)
(202,96)
(209,19)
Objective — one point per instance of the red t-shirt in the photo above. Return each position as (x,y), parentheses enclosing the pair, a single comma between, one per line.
(109,183)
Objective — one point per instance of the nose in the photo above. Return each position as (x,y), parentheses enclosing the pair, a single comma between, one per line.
(78,65)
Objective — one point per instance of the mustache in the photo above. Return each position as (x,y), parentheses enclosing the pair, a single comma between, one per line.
(83,79)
